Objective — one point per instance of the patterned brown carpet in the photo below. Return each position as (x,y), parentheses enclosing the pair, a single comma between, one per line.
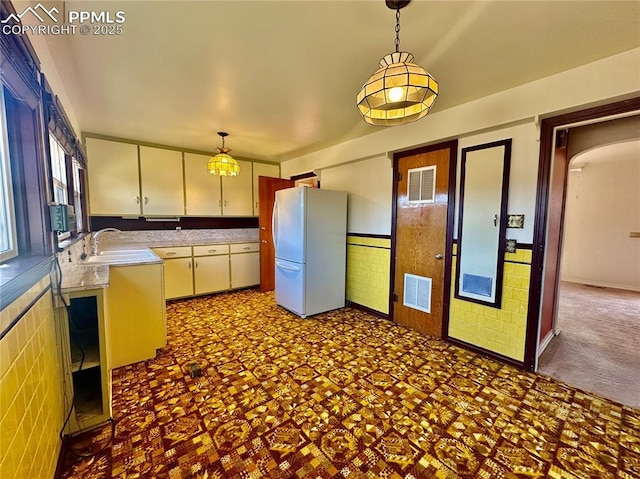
(343,394)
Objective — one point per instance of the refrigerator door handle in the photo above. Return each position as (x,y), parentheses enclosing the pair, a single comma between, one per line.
(274,232)
(287,267)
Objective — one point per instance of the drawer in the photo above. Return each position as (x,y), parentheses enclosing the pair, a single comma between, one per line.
(210,250)
(244,247)
(175,252)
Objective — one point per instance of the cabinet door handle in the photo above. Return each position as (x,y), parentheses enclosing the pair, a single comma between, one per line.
(225,202)
(219,203)
(189,264)
(137,200)
(256,204)
(212,250)
(146,200)
(171,253)
(246,248)
(196,264)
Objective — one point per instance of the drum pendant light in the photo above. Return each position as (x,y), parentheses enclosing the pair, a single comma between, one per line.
(400,91)
(223,164)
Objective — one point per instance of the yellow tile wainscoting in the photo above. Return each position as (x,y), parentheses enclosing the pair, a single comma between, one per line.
(31,402)
(501,330)
(368,270)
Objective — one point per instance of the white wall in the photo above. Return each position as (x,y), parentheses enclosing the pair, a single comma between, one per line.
(603,81)
(602,208)
(522,177)
(513,113)
(369,184)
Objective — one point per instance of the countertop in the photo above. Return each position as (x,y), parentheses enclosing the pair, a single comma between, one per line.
(78,276)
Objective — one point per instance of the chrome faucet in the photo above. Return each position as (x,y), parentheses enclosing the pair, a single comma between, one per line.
(97,234)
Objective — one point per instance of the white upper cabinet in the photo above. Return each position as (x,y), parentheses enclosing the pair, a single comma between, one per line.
(126,179)
(161,180)
(114,186)
(203,190)
(237,192)
(262,169)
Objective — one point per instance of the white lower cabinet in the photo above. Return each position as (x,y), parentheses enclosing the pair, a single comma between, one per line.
(245,265)
(178,277)
(209,268)
(211,273)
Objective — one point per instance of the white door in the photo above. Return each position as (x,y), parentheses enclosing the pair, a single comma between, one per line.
(290,286)
(288,225)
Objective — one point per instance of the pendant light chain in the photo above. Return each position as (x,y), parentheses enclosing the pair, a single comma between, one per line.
(397,41)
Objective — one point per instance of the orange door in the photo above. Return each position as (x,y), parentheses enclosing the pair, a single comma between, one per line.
(421,227)
(267,188)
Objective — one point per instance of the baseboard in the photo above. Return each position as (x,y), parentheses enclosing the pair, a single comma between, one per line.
(61,456)
(373,312)
(601,284)
(484,352)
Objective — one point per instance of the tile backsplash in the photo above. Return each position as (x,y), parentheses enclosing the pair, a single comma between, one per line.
(178,237)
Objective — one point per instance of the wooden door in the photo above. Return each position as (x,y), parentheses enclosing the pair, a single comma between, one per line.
(557,197)
(421,230)
(267,188)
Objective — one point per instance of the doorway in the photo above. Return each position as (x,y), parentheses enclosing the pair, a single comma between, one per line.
(558,298)
(422,221)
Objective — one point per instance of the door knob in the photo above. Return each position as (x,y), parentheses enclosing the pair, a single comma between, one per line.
(438,256)
(264,241)
(263,228)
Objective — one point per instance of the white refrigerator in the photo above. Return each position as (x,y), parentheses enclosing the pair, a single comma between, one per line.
(310,236)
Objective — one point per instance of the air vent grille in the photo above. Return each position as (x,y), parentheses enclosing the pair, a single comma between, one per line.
(417,292)
(421,186)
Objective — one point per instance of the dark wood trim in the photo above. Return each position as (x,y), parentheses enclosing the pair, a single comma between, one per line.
(452,145)
(506,168)
(186,222)
(303,176)
(367,235)
(548,127)
(486,352)
(61,458)
(527,246)
(373,312)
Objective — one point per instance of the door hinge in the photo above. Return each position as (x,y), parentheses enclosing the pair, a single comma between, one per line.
(399,177)
(394,296)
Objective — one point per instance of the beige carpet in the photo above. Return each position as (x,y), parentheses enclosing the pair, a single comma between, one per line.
(343,395)
(598,348)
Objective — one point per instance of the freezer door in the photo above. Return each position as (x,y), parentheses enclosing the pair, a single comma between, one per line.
(290,286)
(289,225)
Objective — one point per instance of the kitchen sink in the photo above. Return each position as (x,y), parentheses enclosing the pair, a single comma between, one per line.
(122,256)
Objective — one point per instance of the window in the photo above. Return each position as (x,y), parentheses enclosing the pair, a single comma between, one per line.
(8,242)
(59,172)
(78,194)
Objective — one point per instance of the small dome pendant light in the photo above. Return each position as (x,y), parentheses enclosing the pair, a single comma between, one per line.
(223,164)
(400,91)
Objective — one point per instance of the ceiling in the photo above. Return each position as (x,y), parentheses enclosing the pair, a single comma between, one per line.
(281,76)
